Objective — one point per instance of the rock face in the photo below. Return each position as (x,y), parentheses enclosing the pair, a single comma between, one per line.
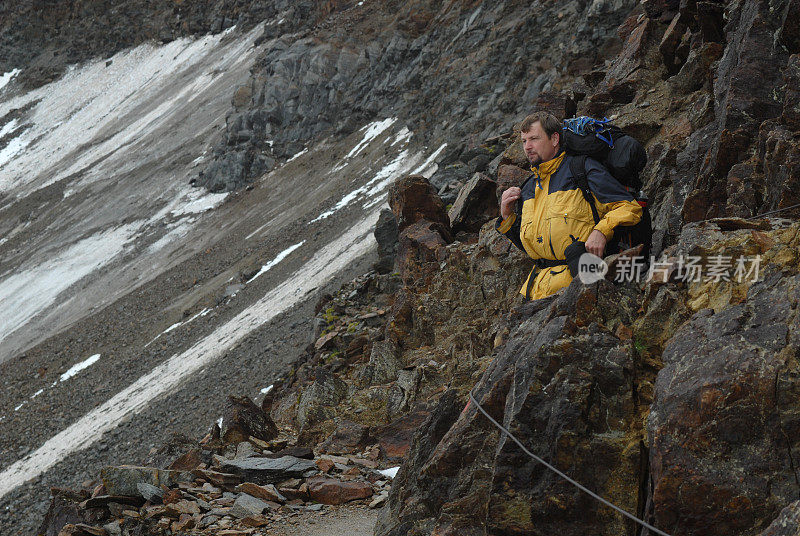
(47,37)
(562,384)
(374,61)
(725,409)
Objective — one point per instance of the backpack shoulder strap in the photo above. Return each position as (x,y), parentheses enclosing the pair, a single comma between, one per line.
(577,165)
(518,204)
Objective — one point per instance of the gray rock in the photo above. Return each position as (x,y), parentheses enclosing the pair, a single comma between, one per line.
(149,492)
(268,471)
(383,364)
(386,234)
(247,505)
(475,205)
(124,479)
(317,401)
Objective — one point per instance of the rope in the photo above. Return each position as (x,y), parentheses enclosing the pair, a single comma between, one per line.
(562,475)
(772,212)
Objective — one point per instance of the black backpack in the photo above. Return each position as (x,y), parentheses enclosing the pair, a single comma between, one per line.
(624,157)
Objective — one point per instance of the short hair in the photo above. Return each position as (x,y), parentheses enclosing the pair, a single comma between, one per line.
(549,123)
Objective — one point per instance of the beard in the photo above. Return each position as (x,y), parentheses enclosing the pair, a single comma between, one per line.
(535,160)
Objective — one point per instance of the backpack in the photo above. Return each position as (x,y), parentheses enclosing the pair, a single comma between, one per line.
(624,157)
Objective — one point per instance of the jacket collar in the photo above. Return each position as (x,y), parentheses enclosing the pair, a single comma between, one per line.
(549,167)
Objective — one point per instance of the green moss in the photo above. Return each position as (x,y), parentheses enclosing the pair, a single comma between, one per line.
(330,315)
(640,345)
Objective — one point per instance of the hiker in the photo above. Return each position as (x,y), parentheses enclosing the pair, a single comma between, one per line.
(550,219)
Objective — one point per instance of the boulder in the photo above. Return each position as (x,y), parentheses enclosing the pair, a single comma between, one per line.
(247,506)
(268,470)
(508,176)
(243,419)
(383,365)
(413,199)
(328,490)
(349,437)
(420,246)
(318,400)
(475,205)
(723,429)
(124,479)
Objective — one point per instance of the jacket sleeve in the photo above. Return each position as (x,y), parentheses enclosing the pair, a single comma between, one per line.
(510,228)
(615,205)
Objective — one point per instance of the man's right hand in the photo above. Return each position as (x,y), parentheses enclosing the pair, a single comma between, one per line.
(507,201)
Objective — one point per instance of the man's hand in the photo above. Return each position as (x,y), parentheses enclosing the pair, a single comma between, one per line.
(596,243)
(507,201)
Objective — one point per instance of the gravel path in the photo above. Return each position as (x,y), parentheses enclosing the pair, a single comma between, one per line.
(341,522)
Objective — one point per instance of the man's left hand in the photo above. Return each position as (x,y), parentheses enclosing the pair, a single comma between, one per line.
(596,243)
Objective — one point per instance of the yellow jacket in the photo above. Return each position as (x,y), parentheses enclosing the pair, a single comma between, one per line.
(555,214)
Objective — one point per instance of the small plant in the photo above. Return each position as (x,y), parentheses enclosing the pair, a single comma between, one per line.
(352,327)
(330,315)
(639,345)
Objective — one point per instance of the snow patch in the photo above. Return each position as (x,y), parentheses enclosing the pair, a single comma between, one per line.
(402,137)
(298,155)
(424,168)
(32,289)
(5,78)
(75,369)
(376,186)
(8,127)
(391,472)
(373,130)
(266,389)
(282,255)
(14,147)
(200,203)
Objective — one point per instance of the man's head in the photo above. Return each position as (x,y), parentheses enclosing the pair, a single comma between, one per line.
(541,137)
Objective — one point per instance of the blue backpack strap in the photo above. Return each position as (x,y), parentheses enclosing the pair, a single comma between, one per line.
(577,165)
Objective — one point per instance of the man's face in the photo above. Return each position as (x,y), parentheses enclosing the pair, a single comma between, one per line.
(538,146)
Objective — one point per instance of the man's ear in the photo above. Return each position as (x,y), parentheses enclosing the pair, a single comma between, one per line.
(556,139)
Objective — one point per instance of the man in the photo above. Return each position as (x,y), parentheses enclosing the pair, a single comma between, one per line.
(554,214)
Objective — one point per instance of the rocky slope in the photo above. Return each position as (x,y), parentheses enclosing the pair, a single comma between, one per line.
(676,399)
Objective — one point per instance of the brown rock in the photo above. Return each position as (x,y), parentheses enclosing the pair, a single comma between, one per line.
(558,104)
(420,244)
(172,496)
(414,199)
(723,425)
(324,464)
(508,176)
(331,491)
(242,96)
(514,155)
(349,436)
(255,521)
(243,419)
(395,438)
(267,493)
(670,42)
(188,461)
(182,507)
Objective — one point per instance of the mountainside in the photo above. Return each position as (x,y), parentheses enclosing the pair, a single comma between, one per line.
(673,395)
